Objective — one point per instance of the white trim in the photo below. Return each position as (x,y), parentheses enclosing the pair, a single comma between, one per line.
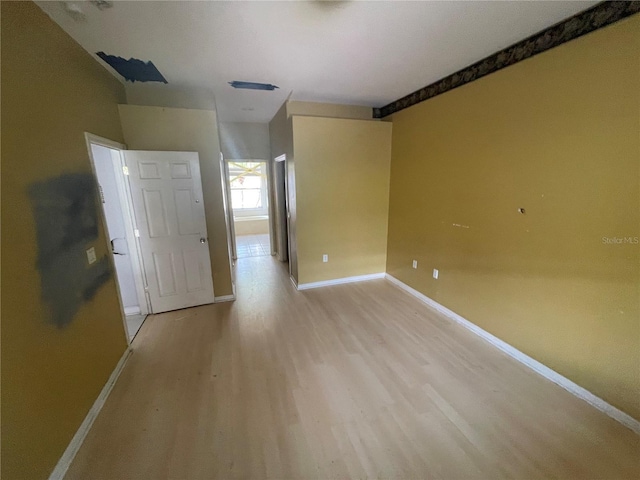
(340,281)
(560,380)
(132,310)
(251,219)
(90,138)
(271,212)
(224,298)
(69,454)
(133,244)
(294,282)
(228,216)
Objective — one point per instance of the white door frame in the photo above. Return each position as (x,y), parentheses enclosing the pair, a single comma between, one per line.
(288,215)
(132,244)
(283,158)
(281,206)
(230,227)
(226,189)
(272,232)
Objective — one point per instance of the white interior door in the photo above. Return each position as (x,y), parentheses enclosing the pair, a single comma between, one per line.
(166,191)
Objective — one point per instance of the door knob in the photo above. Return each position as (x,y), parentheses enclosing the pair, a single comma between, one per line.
(203,240)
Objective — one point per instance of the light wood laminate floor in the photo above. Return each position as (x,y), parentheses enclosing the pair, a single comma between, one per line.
(350,381)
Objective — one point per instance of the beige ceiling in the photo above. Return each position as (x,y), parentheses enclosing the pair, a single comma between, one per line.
(361,53)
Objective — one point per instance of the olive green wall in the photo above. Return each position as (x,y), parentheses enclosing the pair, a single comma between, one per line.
(182,129)
(52,92)
(342,191)
(557,135)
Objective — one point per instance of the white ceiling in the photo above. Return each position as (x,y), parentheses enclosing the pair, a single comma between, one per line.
(360,53)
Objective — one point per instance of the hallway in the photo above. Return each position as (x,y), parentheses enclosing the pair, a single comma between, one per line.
(351,381)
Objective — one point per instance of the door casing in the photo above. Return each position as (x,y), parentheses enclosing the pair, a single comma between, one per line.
(132,244)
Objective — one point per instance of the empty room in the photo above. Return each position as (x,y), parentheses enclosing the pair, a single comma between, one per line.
(320,240)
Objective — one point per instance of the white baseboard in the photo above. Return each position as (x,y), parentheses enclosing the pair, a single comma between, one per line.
(132,310)
(340,281)
(580,392)
(293,280)
(224,298)
(69,454)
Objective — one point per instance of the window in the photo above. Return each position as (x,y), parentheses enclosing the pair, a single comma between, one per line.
(248,181)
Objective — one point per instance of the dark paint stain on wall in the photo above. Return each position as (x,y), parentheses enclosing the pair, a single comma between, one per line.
(66,217)
(133,70)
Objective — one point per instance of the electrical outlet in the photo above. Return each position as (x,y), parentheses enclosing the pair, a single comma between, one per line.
(435,273)
(91,255)
(325,258)
(414,264)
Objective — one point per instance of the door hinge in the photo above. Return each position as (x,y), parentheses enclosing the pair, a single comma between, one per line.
(136,232)
(125,170)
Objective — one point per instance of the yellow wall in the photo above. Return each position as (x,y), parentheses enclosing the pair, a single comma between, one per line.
(558,135)
(342,189)
(181,129)
(331,110)
(281,133)
(52,92)
(251,226)
(153,94)
(282,142)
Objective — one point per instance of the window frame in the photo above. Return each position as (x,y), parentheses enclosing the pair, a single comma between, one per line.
(264,189)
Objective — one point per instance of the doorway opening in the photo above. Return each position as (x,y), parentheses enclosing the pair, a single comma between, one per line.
(108,167)
(281,211)
(248,188)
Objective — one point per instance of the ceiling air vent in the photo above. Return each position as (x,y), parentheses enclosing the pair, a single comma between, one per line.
(253,85)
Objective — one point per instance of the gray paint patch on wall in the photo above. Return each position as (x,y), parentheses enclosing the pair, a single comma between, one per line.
(65,213)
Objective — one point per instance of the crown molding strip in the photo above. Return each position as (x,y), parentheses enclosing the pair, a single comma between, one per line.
(596,17)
